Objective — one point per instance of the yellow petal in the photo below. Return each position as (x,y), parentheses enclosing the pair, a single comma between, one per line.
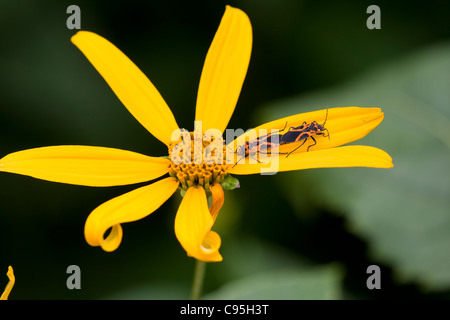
(218,198)
(128,207)
(347,156)
(85,165)
(10,285)
(344,125)
(193,224)
(224,70)
(130,85)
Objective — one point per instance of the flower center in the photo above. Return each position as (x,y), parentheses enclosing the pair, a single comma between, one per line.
(198,162)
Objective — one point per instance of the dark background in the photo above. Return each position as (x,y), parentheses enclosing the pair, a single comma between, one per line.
(51,95)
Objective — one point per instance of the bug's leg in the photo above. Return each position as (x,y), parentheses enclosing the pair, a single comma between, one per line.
(256,159)
(315,142)
(238,161)
(273,153)
(297,147)
(328,134)
(278,153)
(269,150)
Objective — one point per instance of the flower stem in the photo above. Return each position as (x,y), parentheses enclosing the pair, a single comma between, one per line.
(199,276)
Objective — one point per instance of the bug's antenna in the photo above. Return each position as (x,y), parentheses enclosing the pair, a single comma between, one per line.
(326,117)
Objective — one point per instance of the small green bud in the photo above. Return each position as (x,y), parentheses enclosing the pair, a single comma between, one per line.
(230,182)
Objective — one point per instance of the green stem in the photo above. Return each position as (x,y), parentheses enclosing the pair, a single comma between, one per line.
(199,276)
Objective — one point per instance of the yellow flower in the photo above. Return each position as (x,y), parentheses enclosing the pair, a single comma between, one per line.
(221,81)
(10,285)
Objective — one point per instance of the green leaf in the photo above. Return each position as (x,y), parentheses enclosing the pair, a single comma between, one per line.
(284,284)
(152,291)
(258,269)
(403,212)
(248,255)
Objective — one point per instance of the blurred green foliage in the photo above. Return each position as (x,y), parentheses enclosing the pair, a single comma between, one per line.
(303,235)
(403,213)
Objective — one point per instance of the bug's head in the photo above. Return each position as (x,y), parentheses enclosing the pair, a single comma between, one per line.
(320,128)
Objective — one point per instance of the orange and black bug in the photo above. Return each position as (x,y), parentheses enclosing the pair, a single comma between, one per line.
(263,143)
(303,132)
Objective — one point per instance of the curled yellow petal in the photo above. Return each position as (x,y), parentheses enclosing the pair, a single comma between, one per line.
(211,244)
(85,165)
(130,85)
(224,70)
(193,224)
(10,285)
(128,207)
(346,156)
